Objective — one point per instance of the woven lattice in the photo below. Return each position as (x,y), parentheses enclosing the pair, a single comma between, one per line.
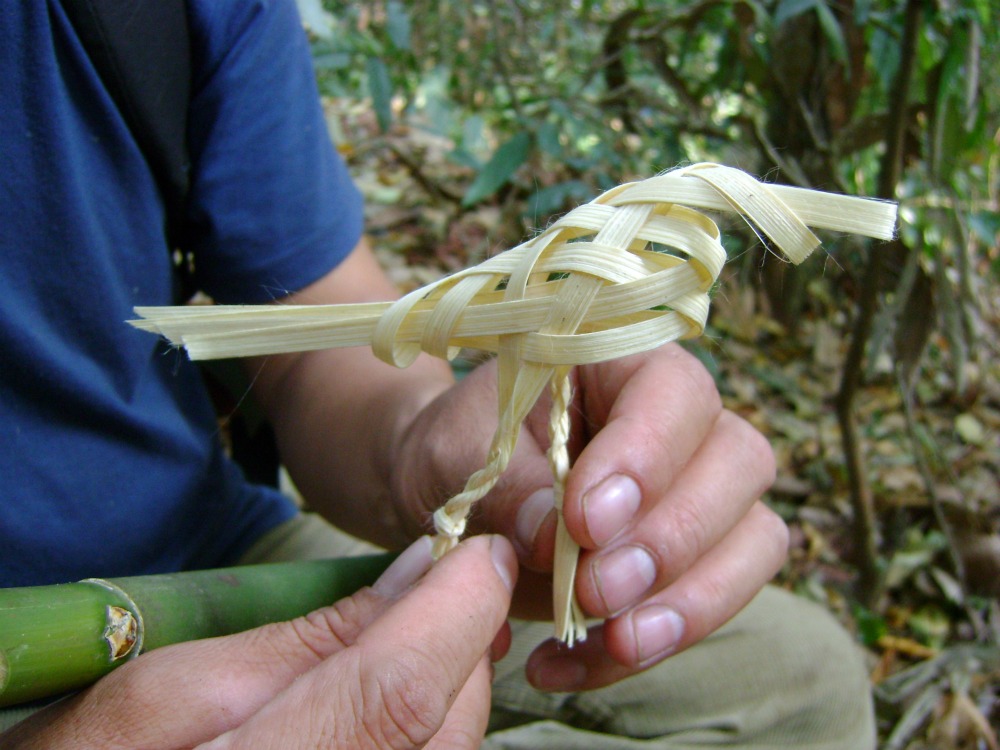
(623,274)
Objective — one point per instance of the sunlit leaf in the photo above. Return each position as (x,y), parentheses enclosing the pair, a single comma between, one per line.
(317,20)
(970,429)
(931,625)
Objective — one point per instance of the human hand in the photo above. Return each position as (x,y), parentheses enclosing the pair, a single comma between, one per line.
(397,665)
(663,498)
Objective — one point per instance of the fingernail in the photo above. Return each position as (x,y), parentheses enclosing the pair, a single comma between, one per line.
(608,507)
(406,569)
(504,560)
(530,517)
(558,674)
(622,576)
(657,630)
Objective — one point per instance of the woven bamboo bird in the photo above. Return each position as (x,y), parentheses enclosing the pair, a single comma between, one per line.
(625,273)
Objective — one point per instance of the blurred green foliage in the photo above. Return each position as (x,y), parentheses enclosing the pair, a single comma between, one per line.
(551,103)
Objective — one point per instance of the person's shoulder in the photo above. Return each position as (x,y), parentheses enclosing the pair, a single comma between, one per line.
(229,19)
(219,26)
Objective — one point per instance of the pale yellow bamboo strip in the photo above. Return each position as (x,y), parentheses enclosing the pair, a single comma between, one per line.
(572,301)
(763,207)
(866,217)
(255,330)
(570,624)
(623,274)
(564,316)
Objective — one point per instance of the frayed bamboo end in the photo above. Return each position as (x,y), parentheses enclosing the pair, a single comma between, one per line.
(570,624)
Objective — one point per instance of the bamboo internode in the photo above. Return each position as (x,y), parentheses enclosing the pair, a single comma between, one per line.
(55,639)
(623,274)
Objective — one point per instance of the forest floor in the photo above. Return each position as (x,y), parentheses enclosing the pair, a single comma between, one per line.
(932,638)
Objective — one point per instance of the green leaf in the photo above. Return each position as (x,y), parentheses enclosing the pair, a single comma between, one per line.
(884,51)
(398,25)
(553,198)
(315,18)
(548,139)
(332,61)
(985,225)
(474,136)
(871,626)
(380,88)
(833,33)
(499,169)
(788,9)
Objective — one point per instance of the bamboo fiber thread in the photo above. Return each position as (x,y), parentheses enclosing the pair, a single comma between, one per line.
(623,274)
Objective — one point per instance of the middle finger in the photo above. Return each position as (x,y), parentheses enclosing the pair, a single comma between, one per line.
(714,490)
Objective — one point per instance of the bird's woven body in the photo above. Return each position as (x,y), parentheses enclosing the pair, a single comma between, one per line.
(623,274)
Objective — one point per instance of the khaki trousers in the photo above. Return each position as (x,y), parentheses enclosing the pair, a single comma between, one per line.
(781,674)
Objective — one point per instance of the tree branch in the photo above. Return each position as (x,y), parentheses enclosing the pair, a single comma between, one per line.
(865,523)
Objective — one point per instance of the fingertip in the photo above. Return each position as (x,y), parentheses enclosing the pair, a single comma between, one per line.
(553,668)
(610,507)
(501,555)
(406,569)
(531,517)
(504,560)
(501,642)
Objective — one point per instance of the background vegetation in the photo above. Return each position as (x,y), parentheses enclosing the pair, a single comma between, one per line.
(874,371)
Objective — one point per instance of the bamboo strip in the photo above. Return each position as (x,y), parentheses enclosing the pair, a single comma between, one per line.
(570,624)
(623,274)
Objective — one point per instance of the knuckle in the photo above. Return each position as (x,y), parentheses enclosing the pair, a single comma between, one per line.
(643,431)
(313,637)
(687,537)
(760,466)
(776,532)
(700,384)
(337,626)
(715,592)
(402,707)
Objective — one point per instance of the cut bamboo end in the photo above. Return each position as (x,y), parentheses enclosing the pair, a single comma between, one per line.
(52,638)
(55,639)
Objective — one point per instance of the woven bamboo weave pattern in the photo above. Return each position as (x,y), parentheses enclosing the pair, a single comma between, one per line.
(623,274)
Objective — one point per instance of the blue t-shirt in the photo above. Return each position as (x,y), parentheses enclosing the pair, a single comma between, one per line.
(110,462)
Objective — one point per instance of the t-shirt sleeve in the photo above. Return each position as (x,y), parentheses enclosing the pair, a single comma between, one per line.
(272,206)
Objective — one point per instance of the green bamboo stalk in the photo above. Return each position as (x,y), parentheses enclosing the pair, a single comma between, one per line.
(55,639)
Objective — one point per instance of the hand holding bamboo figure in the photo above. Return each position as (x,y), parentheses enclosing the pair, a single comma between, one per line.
(623,274)
(332,678)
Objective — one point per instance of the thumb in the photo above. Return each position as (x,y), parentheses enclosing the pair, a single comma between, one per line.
(396,686)
(180,695)
(271,657)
